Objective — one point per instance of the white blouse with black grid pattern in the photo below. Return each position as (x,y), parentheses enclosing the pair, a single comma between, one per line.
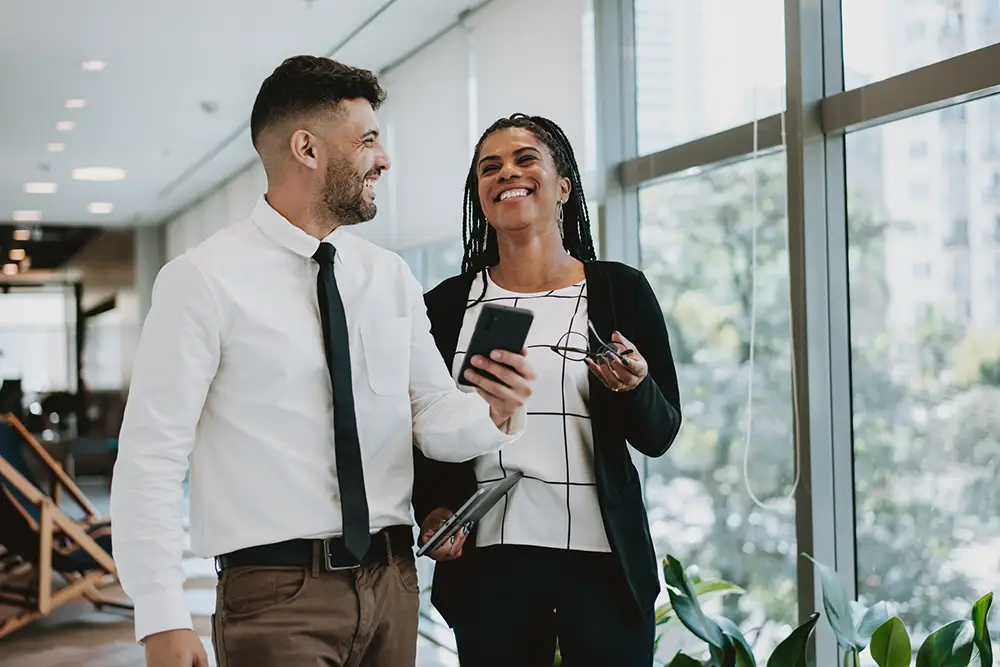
(555,504)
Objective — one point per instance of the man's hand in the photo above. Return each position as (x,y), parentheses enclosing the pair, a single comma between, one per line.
(175,648)
(516,380)
(452,547)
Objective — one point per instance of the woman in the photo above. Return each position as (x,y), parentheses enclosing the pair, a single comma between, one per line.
(567,555)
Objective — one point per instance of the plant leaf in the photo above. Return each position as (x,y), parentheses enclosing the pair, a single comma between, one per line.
(716,586)
(685,603)
(838,608)
(950,646)
(703,588)
(722,657)
(858,612)
(891,644)
(791,652)
(873,619)
(663,616)
(683,660)
(980,611)
(743,653)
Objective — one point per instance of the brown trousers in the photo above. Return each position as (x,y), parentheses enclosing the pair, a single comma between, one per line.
(302,617)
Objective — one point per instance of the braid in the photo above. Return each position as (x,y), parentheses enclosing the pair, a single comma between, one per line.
(480,239)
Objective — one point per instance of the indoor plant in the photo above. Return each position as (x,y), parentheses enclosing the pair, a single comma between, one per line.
(960,643)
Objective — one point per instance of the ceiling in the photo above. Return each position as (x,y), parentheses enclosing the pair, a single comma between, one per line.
(172,105)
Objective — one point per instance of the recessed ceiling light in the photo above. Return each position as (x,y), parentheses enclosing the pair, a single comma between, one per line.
(40,188)
(93,65)
(17,254)
(55,147)
(65,126)
(75,103)
(22,234)
(10,269)
(100,207)
(25,216)
(98,174)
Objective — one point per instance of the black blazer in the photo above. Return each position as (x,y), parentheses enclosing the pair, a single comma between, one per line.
(648,417)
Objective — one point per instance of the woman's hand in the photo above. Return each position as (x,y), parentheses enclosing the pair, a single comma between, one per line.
(452,547)
(620,372)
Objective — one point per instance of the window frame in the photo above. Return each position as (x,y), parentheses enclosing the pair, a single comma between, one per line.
(819,113)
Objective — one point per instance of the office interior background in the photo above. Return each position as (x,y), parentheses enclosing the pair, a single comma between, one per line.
(812,187)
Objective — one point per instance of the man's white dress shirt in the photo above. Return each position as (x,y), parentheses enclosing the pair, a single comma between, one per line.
(231,371)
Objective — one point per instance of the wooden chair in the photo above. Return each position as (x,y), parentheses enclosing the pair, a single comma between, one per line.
(35,528)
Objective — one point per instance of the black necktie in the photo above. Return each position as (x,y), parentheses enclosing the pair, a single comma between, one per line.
(350,473)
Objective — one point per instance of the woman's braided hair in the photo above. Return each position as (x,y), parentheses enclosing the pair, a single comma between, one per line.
(480,239)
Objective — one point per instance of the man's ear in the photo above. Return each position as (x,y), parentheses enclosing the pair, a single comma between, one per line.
(303,145)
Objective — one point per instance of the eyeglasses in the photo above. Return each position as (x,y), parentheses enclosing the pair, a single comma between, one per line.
(572,353)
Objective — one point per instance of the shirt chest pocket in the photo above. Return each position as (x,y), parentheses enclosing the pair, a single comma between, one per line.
(386,342)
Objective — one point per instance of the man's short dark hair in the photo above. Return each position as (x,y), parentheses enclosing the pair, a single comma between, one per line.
(305,84)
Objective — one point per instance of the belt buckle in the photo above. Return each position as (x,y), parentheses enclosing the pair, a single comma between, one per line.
(328,559)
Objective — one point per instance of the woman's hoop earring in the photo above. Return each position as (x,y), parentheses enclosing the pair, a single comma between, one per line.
(559,219)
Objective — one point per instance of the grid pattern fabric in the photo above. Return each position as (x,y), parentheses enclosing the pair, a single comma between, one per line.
(555,504)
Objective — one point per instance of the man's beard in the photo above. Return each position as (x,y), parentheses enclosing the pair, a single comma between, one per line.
(343,195)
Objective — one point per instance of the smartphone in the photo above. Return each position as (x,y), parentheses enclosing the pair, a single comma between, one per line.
(498,328)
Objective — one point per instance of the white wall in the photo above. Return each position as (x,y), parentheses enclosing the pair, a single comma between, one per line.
(518,55)
(427,118)
(230,203)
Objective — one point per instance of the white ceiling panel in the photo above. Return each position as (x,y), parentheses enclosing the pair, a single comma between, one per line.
(166,63)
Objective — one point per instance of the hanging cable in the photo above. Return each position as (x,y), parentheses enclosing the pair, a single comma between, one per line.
(753,329)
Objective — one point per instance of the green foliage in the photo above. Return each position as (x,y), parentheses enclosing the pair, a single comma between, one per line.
(853,624)
(960,643)
(870,620)
(744,654)
(682,660)
(687,607)
(891,644)
(793,651)
(950,646)
(727,646)
(980,611)
(702,589)
(989,372)
(953,645)
(839,611)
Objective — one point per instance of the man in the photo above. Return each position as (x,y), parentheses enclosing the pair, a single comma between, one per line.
(293,362)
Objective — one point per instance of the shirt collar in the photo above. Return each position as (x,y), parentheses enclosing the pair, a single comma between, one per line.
(277,228)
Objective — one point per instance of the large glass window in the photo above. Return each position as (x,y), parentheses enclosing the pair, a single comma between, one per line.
(883,38)
(37,338)
(102,351)
(442,261)
(703,66)
(925,337)
(714,249)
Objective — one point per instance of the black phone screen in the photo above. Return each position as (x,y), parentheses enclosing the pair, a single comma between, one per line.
(497,328)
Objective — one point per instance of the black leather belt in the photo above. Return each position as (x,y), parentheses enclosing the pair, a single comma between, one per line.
(395,540)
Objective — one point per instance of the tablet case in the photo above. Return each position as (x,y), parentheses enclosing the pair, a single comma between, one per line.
(474,509)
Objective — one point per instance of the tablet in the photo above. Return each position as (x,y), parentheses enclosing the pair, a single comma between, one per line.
(474,509)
